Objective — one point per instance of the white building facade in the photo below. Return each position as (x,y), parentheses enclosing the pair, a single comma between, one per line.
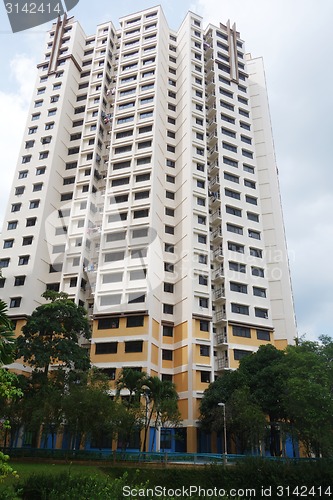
(147,189)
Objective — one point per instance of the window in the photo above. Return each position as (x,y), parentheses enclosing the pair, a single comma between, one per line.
(32,130)
(114,256)
(27,240)
(249,184)
(202,239)
(168,267)
(230,147)
(204,350)
(248,168)
(23,260)
(19,190)
(245,126)
(12,224)
(168,287)
(142,177)
(108,323)
(4,263)
(35,116)
(19,280)
(16,207)
(169,195)
(205,377)
(261,313)
(169,248)
(15,302)
(240,354)
(240,309)
(141,195)
(200,184)
(235,247)
(203,302)
(134,345)
(234,229)
(138,274)
(202,259)
(106,347)
(237,266)
(43,155)
(40,170)
(167,331)
(251,199)
(254,234)
(167,354)
(229,161)
(232,194)
(133,321)
(233,211)
(238,287)
(29,144)
(253,217)
(256,252)
(241,331)
(259,292)
(169,229)
(53,111)
(170,163)
(167,308)
(26,159)
(228,132)
(264,335)
(2,282)
(258,271)
(8,243)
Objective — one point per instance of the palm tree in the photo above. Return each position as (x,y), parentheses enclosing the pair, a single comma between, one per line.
(7,337)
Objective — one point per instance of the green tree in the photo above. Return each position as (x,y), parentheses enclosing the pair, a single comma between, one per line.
(308,396)
(162,405)
(132,415)
(88,409)
(52,335)
(8,382)
(7,339)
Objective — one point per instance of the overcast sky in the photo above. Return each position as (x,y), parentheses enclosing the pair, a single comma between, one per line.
(295,38)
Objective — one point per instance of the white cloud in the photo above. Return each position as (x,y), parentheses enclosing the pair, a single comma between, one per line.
(14,106)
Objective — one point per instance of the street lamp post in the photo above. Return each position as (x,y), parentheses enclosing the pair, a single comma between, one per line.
(224,433)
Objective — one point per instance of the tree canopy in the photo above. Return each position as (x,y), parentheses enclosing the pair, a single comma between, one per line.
(52,335)
(288,390)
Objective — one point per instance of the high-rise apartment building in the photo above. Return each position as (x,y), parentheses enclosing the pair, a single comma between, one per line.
(147,189)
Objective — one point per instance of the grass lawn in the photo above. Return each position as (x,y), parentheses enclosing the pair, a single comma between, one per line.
(25,469)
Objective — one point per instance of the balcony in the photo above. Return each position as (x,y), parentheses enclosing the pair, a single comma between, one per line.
(219,273)
(219,316)
(213,168)
(219,293)
(214,184)
(216,217)
(210,83)
(212,110)
(214,199)
(221,337)
(217,234)
(218,253)
(210,97)
(213,153)
(212,138)
(222,363)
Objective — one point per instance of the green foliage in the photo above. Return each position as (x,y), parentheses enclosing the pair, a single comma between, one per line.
(5,469)
(52,333)
(7,339)
(69,486)
(293,388)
